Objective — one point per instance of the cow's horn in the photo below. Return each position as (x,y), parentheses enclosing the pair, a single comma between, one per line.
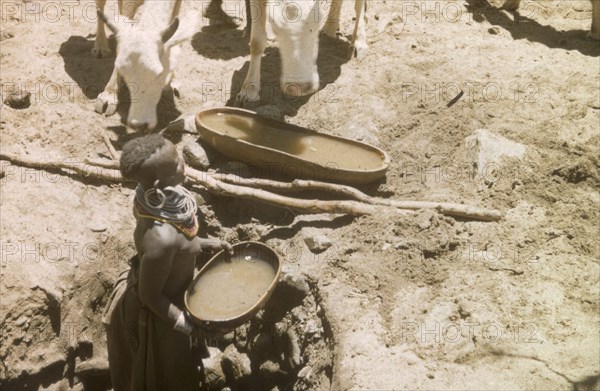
(103,18)
(168,33)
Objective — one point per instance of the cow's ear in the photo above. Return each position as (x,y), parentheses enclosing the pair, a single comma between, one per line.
(170,31)
(102,17)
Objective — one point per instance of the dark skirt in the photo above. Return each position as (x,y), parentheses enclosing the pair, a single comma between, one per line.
(144,352)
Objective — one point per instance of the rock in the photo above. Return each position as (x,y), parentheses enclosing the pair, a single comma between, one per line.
(402,246)
(62,385)
(269,369)
(213,370)
(299,313)
(241,337)
(183,124)
(487,150)
(294,354)
(386,247)
(236,365)
(228,338)
(262,345)
(96,366)
(313,329)
(18,99)
(195,156)
(425,218)
(305,372)
(53,296)
(98,227)
(270,111)
(295,282)
(201,196)
(22,320)
(494,30)
(317,243)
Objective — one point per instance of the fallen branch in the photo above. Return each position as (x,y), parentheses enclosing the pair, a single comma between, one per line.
(447,208)
(104,163)
(247,188)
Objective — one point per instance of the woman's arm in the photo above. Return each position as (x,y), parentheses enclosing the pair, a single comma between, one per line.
(159,249)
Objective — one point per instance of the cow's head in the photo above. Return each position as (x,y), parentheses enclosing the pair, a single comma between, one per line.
(144,62)
(296,27)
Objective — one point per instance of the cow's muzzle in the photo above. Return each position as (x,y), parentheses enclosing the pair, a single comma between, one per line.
(295,89)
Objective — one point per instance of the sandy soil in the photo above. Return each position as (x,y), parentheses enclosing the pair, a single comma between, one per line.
(411,301)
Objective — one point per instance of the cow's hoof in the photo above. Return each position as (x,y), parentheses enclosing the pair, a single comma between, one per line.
(247,30)
(360,51)
(172,92)
(511,5)
(330,31)
(101,52)
(328,38)
(106,104)
(592,36)
(176,88)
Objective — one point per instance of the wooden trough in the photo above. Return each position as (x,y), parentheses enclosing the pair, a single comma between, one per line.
(289,150)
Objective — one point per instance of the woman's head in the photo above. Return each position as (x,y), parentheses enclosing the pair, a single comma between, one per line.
(147,159)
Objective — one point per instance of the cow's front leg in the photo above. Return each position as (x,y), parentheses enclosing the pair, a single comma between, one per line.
(250,92)
(332,24)
(359,37)
(108,99)
(595,30)
(172,81)
(101,48)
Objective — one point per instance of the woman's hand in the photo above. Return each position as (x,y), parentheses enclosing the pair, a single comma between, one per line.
(214,245)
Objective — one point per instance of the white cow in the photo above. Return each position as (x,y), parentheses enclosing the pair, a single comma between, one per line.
(146,51)
(296,25)
(595,29)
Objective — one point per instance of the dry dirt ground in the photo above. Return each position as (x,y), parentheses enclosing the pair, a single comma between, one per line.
(408,301)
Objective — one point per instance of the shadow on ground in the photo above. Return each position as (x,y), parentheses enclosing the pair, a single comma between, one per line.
(523,27)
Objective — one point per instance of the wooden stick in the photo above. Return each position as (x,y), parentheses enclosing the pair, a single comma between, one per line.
(104,163)
(447,208)
(111,150)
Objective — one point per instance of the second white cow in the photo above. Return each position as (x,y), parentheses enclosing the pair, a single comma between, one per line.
(146,51)
(296,26)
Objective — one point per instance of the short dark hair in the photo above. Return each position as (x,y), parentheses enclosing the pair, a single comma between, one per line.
(137,151)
